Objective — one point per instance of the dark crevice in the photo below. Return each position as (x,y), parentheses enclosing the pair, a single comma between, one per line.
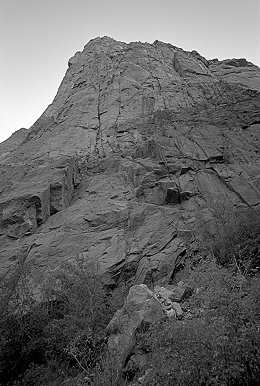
(80,84)
(173,197)
(55,198)
(256,122)
(179,265)
(216,159)
(35,200)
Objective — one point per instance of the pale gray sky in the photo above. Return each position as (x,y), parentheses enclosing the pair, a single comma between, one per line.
(38,37)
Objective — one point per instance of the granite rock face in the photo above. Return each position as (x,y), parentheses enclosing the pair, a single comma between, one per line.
(12,142)
(138,139)
(141,307)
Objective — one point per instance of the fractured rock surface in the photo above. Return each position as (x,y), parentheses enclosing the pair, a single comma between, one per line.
(138,139)
(142,308)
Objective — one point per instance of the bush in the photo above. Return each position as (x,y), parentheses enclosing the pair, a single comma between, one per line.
(232,236)
(61,337)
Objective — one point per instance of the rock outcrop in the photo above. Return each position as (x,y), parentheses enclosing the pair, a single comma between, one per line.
(141,309)
(12,142)
(138,139)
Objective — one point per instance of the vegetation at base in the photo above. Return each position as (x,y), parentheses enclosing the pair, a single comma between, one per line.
(60,339)
(219,341)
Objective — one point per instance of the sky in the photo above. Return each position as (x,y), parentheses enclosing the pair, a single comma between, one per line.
(37,37)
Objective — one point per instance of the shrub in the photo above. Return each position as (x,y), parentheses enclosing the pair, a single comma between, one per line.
(61,337)
(218,344)
(232,236)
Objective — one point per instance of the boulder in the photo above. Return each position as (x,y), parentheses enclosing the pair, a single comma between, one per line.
(141,306)
(166,296)
(177,309)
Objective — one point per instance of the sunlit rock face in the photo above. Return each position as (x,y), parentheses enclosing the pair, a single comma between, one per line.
(139,138)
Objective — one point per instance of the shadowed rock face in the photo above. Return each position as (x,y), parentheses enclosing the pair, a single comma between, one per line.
(138,138)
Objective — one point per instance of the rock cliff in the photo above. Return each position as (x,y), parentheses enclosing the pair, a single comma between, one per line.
(139,138)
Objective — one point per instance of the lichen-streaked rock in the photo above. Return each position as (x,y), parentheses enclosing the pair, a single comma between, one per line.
(138,138)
